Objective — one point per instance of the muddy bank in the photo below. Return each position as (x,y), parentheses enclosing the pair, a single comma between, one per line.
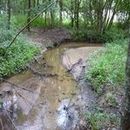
(49,38)
(75,61)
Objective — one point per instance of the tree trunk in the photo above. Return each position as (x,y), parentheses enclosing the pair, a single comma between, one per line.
(99,16)
(52,18)
(72,15)
(45,18)
(29,14)
(61,9)
(76,13)
(9,13)
(125,123)
(37,2)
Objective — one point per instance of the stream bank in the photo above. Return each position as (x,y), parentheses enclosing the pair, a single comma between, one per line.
(52,93)
(46,102)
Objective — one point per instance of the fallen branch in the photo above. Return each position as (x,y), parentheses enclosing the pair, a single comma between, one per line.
(13,85)
(12,122)
(28,25)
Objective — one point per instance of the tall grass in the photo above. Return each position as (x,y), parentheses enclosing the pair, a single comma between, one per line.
(107,66)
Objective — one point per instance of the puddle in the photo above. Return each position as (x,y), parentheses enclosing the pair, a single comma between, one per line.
(47,103)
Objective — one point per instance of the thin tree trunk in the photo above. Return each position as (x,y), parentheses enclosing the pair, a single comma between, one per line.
(9,13)
(45,18)
(37,2)
(52,18)
(72,15)
(61,9)
(125,123)
(77,14)
(29,15)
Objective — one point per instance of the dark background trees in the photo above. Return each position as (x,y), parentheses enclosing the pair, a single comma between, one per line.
(98,15)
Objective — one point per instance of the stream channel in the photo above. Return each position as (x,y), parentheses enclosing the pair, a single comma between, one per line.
(50,95)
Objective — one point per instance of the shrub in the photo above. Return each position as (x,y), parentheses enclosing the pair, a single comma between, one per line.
(113,34)
(107,66)
(39,22)
(17,55)
(78,35)
(18,20)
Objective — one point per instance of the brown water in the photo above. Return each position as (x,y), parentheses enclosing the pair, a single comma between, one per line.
(39,107)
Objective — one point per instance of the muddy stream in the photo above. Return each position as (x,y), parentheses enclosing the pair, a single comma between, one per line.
(47,96)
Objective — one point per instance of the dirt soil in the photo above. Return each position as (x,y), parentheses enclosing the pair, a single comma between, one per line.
(49,37)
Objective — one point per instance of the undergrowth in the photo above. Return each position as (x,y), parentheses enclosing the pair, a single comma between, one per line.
(17,56)
(107,66)
(99,120)
(92,36)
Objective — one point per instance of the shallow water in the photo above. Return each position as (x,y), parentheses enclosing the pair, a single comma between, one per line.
(43,107)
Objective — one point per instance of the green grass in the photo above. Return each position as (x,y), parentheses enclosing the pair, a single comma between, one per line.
(107,66)
(99,120)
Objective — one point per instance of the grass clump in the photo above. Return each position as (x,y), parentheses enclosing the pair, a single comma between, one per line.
(111,99)
(99,120)
(107,66)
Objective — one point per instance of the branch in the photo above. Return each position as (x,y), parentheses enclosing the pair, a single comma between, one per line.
(28,25)
(13,85)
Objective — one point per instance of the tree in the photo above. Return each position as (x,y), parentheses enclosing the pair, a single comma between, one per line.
(76,13)
(61,9)
(29,15)
(125,124)
(8,13)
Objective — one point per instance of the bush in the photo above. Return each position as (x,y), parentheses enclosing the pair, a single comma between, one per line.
(17,55)
(78,35)
(6,35)
(107,66)
(87,35)
(113,34)
(39,22)
(91,35)
(18,21)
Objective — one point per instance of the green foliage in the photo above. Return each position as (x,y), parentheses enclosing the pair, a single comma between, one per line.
(39,22)
(101,120)
(113,34)
(6,35)
(18,20)
(107,66)
(87,35)
(78,35)
(17,55)
(90,35)
(3,22)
